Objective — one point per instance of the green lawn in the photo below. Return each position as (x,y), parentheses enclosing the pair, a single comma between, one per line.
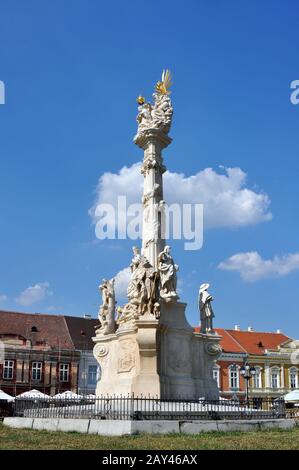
(11,439)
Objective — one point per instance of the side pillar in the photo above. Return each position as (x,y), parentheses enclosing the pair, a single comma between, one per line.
(128,359)
(186,358)
(175,353)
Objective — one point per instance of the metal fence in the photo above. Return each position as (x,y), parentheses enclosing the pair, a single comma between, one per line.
(149,408)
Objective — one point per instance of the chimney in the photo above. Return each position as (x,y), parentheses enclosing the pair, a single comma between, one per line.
(278,331)
(237,328)
(86,316)
(250,329)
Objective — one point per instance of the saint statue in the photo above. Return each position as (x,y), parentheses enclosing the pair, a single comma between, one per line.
(142,286)
(205,308)
(107,309)
(168,278)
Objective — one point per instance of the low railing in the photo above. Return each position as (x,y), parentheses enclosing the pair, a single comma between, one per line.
(148,408)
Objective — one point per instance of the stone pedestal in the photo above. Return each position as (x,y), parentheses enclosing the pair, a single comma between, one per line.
(175,352)
(186,359)
(128,359)
(163,358)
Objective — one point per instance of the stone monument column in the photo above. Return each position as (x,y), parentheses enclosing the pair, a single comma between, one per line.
(150,348)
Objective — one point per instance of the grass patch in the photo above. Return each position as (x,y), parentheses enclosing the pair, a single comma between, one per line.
(27,439)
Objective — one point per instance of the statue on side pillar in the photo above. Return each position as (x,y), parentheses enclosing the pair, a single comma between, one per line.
(205,308)
(168,278)
(107,309)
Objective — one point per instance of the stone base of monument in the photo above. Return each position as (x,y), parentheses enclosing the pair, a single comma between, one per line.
(162,358)
(185,358)
(128,359)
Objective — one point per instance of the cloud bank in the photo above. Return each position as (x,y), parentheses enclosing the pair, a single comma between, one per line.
(227,201)
(34,294)
(121,283)
(252,267)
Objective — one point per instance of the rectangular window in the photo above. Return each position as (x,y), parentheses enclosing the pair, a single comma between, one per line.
(233,379)
(8,370)
(37,371)
(257,379)
(274,380)
(216,376)
(293,379)
(64,372)
(92,375)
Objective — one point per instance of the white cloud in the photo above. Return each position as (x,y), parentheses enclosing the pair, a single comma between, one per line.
(3,298)
(252,267)
(227,201)
(122,279)
(34,294)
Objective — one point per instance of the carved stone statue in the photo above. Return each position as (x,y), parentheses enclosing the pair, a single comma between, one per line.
(142,289)
(205,308)
(168,278)
(158,115)
(107,309)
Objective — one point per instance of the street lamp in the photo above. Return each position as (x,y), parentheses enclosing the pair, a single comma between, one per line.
(247,372)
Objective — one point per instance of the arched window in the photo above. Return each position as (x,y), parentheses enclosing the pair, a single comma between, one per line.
(275,377)
(216,374)
(293,377)
(257,378)
(234,377)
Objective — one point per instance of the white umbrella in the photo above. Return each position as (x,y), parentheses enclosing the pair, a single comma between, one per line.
(33,394)
(66,395)
(292,396)
(5,396)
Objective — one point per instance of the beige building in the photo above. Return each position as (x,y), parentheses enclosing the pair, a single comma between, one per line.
(274,357)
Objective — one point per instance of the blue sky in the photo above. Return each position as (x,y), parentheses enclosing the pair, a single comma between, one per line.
(72,71)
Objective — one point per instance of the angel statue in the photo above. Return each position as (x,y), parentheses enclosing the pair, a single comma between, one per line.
(168,278)
(107,309)
(205,308)
(158,115)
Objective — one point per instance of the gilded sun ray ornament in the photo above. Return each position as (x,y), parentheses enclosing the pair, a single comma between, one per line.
(165,84)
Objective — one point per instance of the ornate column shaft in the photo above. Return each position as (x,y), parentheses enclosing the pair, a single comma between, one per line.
(152,141)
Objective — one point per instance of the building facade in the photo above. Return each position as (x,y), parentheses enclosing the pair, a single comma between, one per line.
(274,357)
(81,331)
(53,353)
(46,352)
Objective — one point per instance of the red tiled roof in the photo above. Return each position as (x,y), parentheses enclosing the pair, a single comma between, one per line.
(228,343)
(256,342)
(56,331)
(51,329)
(250,342)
